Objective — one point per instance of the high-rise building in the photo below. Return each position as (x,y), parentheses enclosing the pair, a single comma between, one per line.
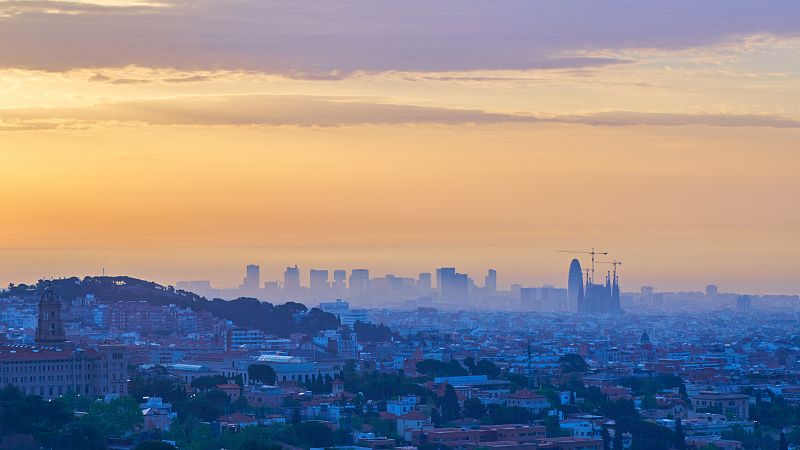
(291,278)
(575,290)
(339,279)
(490,282)
(318,280)
(453,286)
(252,279)
(359,280)
(711,290)
(424,281)
(530,300)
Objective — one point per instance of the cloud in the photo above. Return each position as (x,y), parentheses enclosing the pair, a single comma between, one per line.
(329,111)
(629,118)
(331,40)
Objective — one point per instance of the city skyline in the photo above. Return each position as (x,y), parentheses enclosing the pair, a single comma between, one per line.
(374,134)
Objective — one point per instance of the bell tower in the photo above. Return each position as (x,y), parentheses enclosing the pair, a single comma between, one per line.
(50,328)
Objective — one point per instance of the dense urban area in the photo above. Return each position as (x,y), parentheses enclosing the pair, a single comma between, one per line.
(122,363)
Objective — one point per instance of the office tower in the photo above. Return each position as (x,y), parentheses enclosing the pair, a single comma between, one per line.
(424,281)
(291,278)
(442,274)
(711,290)
(359,280)
(490,282)
(339,279)
(575,290)
(252,279)
(529,299)
(453,287)
(318,280)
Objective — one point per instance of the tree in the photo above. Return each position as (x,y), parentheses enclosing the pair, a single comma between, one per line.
(79,436)
(261,373)
(606,437)
(258,445)
(488,368)
(499,415)
(474,409)
(208,382)
(115,418)
(30,414)
(436,368)
(313,434)
(572,362)
(155,445)
(618,445)
(449,404)
(680,438)
(469,363)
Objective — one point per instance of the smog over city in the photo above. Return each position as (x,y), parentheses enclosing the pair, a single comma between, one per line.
(416,225)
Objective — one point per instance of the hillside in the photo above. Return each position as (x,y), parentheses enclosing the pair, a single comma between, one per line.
(244,312)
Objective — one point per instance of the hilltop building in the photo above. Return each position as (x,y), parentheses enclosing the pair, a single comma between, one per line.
(54,366)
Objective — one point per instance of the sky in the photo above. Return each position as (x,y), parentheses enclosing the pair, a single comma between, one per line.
(182,139)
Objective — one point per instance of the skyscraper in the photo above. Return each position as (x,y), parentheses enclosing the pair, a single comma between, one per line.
(711,290)
(424,281)
(291,278)
(339,279)
(252,279)
(318,280)
(575,286)
(491,281)
(359,280)
(453,286)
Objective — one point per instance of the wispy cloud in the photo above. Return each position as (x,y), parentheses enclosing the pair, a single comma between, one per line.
(330,40)
(325,111)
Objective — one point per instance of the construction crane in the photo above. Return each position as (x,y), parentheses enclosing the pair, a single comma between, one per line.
(614,263)
(593,253)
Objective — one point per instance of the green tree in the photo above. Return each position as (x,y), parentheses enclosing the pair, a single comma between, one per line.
(469,363)
(259,445)
(572,362)
(449,404)
(618,443)
(115,418)
(313,434)
(473,408)
(79,436)
(155,445)
(261,373)
(502,414)
(606,437)
(680,437)
(649,402)
(488,368)
(209,382)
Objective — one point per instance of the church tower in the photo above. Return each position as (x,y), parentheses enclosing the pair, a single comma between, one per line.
(50,329)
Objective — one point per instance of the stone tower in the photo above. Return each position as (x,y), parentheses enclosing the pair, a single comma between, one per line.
(50,329)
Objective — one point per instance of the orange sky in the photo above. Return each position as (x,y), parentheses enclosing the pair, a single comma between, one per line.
(680,160)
